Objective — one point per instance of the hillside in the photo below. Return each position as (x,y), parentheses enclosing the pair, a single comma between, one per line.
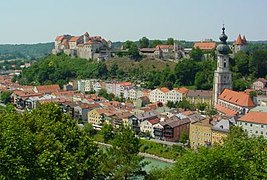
(145,64)
(25,51)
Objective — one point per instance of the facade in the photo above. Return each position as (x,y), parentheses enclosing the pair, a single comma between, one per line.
(259,84)
(174,127)
(84,46)
(222,75)
(147,126)
(199,96)
(254,123)
(200,134)
(164,95)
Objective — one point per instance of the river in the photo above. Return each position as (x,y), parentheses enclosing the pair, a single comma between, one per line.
(154,163)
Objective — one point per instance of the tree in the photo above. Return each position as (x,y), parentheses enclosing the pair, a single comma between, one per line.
(107,132)
(258,63)
(122,160)
(183,137)
(170,104)
(155,43)
(5,96)
(201,106)
(133,52)
(240,157)
(211,111)
(196,54)
(170,41)
(144,42)
(45,144)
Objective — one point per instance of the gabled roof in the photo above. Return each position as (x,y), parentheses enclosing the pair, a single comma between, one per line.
(237,98)
(239,40)
(199,93)
(59,38)
(164,89)
(175,123)
(182,90)
(205,45)
(48,88)
(226,111)
(74,38)
(158,47)
(255,117)
(261,80)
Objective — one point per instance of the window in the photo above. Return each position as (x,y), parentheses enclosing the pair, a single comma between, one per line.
(246,123)
(250,125)
(262,126)
(256,132)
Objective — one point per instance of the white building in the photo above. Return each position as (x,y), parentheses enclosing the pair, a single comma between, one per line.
(164,95)
(254,123)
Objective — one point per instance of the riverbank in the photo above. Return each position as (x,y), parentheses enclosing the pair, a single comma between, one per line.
(156,157)
(147,155)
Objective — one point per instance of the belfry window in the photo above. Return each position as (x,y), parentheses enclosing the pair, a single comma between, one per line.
(224,63)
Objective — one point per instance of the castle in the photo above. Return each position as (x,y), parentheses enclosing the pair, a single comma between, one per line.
(84,46)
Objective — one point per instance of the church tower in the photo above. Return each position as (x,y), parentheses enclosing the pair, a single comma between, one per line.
(222,75)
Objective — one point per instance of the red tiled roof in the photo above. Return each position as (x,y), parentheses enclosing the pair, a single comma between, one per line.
(255,117)
(226,111)
(74,39)
(205,45)
(182,90)
(239,40)
(59,38)
(48,88)
(238,98)
(164,47)
(164,89)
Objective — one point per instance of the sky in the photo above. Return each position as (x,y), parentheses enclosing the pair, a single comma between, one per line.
(36,21)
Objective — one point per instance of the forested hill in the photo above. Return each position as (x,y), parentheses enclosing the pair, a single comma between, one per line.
(25,51)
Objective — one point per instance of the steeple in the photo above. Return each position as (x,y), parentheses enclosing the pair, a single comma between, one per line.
(222,75)
(223,48)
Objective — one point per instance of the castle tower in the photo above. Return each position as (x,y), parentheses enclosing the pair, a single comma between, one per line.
(222,75)
(240,44)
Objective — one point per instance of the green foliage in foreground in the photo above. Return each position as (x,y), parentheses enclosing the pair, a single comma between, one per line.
(45,144)
(240,157)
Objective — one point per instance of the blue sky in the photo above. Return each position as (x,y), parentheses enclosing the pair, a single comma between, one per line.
(32,21)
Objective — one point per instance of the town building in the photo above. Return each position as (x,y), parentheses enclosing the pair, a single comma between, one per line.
(200,134)
(221,129)
(199,96)
(84,46)
(222,75)
(206,45)
(260,84)
(254,123)
(233,103)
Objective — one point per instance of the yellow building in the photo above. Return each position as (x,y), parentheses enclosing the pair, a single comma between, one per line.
(95,116)
(221,129)
(200,134)
(199,96)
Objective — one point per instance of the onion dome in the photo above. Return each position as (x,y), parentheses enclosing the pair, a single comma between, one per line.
(223,48)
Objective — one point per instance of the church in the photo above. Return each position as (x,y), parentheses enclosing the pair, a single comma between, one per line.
(225,100)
